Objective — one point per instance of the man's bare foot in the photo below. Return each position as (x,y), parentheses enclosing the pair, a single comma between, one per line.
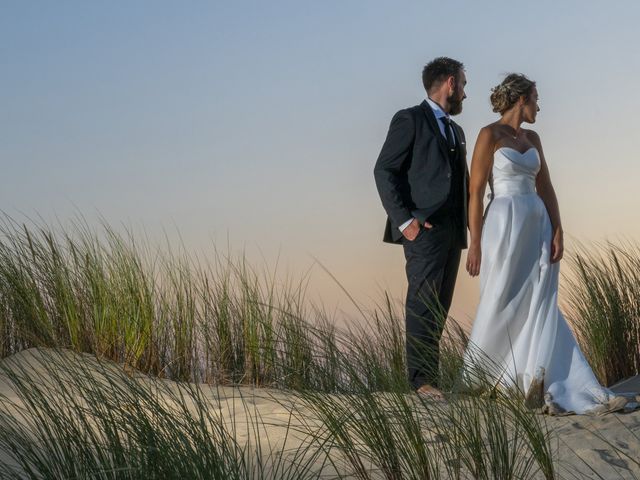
(430,393)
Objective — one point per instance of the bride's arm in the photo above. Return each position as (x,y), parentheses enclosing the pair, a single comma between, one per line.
(546,192)
(481,164)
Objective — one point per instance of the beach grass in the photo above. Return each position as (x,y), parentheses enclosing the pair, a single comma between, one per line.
(79,417)
(72,415)
(603,298)
(161,313)
(168,315)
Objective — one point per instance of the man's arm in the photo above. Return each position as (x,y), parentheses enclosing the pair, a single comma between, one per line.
(395,152)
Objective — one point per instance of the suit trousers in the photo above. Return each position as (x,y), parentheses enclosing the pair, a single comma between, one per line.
(432,265)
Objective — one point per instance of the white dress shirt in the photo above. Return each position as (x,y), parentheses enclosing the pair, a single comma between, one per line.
(439,113)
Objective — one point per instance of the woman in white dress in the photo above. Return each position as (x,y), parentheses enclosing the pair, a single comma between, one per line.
(519,333)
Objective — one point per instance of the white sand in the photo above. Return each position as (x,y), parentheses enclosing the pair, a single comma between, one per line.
(579,450)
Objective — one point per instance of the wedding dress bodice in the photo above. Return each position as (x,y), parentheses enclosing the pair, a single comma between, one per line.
(514,173)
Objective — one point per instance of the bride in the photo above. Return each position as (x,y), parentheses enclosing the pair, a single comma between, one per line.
(516,248)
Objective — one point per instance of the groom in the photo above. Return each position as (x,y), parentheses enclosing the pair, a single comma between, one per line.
(422,177)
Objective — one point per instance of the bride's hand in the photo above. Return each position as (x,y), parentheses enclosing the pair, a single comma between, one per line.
(474,256)
(557,246)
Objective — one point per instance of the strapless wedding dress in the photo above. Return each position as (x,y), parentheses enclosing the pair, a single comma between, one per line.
(519,333)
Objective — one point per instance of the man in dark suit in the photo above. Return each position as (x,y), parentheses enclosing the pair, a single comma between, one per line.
(422,177)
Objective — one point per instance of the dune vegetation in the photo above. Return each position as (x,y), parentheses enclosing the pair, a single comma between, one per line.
(141,342)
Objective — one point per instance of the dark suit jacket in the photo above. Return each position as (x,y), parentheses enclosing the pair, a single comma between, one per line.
(412,173)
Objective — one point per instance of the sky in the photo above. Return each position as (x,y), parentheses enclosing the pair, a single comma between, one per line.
(255,126)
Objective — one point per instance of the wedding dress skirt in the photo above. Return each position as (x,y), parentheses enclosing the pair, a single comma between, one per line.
(519,333)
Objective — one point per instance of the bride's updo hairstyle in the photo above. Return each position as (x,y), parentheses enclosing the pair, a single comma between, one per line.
(506,95)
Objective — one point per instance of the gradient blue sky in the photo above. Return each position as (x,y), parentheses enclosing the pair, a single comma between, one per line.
(261,121)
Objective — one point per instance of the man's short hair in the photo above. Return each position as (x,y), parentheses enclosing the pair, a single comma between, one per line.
(438,70)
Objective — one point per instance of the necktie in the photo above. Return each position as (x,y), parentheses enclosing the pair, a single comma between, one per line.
(451,141)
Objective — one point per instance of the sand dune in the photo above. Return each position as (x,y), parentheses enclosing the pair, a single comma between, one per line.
(583,444)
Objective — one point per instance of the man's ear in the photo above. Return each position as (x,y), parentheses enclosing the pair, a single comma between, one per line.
(451,83)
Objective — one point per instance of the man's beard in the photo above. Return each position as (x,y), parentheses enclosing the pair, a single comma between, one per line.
(455,103)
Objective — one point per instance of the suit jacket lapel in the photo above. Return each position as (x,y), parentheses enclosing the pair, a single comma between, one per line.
(433,123)
(461,142)
(465,177)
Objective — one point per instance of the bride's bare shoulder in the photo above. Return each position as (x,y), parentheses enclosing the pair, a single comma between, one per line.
(489,133)
(534,139)
(532,135)
(492,127)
